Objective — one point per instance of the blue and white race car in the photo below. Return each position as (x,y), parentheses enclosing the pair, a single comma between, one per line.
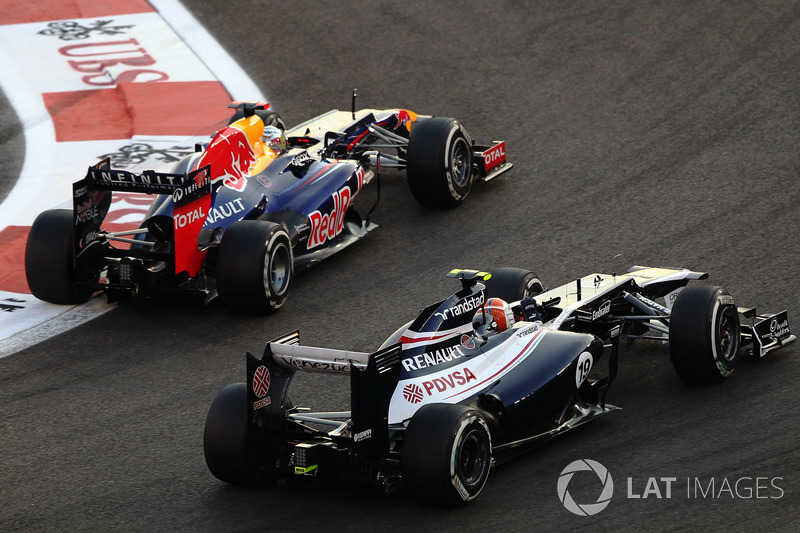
(236,218)
(499,366)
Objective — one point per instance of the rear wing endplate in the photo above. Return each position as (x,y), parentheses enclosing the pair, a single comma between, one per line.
(371,390)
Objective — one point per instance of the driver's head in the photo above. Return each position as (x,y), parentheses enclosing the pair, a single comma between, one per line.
(499,316)
(275,140)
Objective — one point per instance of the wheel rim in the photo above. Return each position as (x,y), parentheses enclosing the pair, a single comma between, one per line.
(460,163)
(277,269)
(533,288)
(472,461)
(728,334)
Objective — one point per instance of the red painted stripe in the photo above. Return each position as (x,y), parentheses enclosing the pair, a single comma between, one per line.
(314,177)
(16,12)
(13,240)
(490,378)
(12,259)
(410,340)
(162,108)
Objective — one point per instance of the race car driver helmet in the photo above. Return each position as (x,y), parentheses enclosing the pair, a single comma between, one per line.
(275,140)
(499,315)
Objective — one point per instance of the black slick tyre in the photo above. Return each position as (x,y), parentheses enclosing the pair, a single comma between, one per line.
(49,260)
(512,284)
(255,267)
(447,454)
(270,118)
(439,162)
(704,334)
(225,437)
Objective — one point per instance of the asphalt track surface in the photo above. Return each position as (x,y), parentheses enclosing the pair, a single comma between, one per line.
(665,132)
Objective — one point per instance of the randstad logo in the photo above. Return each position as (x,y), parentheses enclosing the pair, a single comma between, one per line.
(585,509)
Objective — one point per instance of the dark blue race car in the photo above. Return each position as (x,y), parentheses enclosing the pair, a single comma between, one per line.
(236,218)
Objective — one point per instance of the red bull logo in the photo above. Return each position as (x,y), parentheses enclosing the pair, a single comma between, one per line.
(230,156)
(403,118)
(326,226)
(200,178)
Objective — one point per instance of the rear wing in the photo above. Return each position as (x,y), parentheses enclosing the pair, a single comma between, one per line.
(191,195)
(288,354)
(102,177)
(373,379)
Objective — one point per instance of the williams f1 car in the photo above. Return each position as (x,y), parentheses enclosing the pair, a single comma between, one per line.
(236,218)
(451,393)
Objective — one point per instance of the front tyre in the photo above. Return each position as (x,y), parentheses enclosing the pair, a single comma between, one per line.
(255,266)
(439,162)
(447,454)
(225,437)
(704,334)
(50,260)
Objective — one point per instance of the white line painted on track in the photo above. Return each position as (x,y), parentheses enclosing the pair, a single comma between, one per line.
(217,60)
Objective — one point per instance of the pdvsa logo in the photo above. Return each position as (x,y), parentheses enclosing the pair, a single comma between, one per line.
(261,381)
(585,509)
(412,393)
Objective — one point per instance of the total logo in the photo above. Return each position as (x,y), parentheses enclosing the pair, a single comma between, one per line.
(182,220)
(495,155)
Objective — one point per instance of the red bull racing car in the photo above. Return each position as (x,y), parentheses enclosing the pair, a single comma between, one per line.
(239,216)
(475,379)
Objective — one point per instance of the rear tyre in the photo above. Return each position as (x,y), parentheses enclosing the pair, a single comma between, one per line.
(704,334)
(447,454)
(439,162)
(255,266)
(225,437)
(49,260)
(513,284)
(270,118)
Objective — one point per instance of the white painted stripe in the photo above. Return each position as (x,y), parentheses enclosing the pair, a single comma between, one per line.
(216,59)
(39,321)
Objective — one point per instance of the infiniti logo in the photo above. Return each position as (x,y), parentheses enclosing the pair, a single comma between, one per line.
(587,509)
